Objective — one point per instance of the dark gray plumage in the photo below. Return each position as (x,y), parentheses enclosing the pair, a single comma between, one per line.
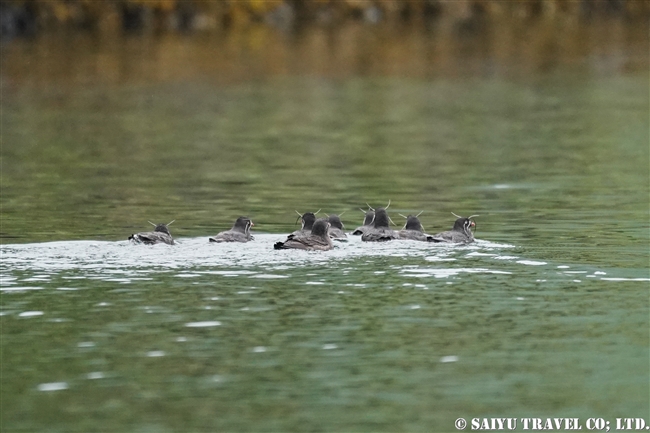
(160,235)
(240,232)
(380,231)
(367,223)
(414,231)
(307,219)
(459,234)
(318,239)
(336,228)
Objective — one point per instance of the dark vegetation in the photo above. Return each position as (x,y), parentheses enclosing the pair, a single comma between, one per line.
(28,17)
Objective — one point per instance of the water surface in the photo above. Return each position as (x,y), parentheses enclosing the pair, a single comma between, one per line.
(545,316)
(392,336)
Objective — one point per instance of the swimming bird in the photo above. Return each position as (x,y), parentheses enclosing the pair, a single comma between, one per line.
(413,230)
(307,219)
(367,222)
(461,233)
(160,235)
(240,232)
(336,228)
(380,231)
(316,240)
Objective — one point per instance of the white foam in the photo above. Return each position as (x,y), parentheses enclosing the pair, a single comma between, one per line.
(53,386)
(19,288)
(625,279)
(30,314)
(206,324)
(86,344)
(448,272)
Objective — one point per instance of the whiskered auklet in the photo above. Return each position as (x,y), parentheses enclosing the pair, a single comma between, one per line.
(160,235)
(379,231)
(367,222)
(317,239)
(413,230)
(307,219)
(461,233)
(240,232)
(336,228)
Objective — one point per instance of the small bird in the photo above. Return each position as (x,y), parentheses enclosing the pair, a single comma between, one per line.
(317,240)
(159,235)
(413,230)
(240,232)
(336,228)
(307,219)
(380,231)
(461,233)
(367,222)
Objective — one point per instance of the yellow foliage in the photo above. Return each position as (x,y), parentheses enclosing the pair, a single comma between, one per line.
(262,6)
(61,11)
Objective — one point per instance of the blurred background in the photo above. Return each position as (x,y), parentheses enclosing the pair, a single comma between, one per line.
(533,114)
(119,112)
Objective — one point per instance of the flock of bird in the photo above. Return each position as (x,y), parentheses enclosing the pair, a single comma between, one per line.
(319,234)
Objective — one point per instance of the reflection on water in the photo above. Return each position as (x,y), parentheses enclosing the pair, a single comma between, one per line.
(403,333)
(559,162)
(499,47)
(541,128)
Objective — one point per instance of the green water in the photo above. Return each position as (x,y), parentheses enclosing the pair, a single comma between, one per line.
(546,316)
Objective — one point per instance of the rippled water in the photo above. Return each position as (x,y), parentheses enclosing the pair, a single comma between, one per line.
(546,315)
(389,336)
